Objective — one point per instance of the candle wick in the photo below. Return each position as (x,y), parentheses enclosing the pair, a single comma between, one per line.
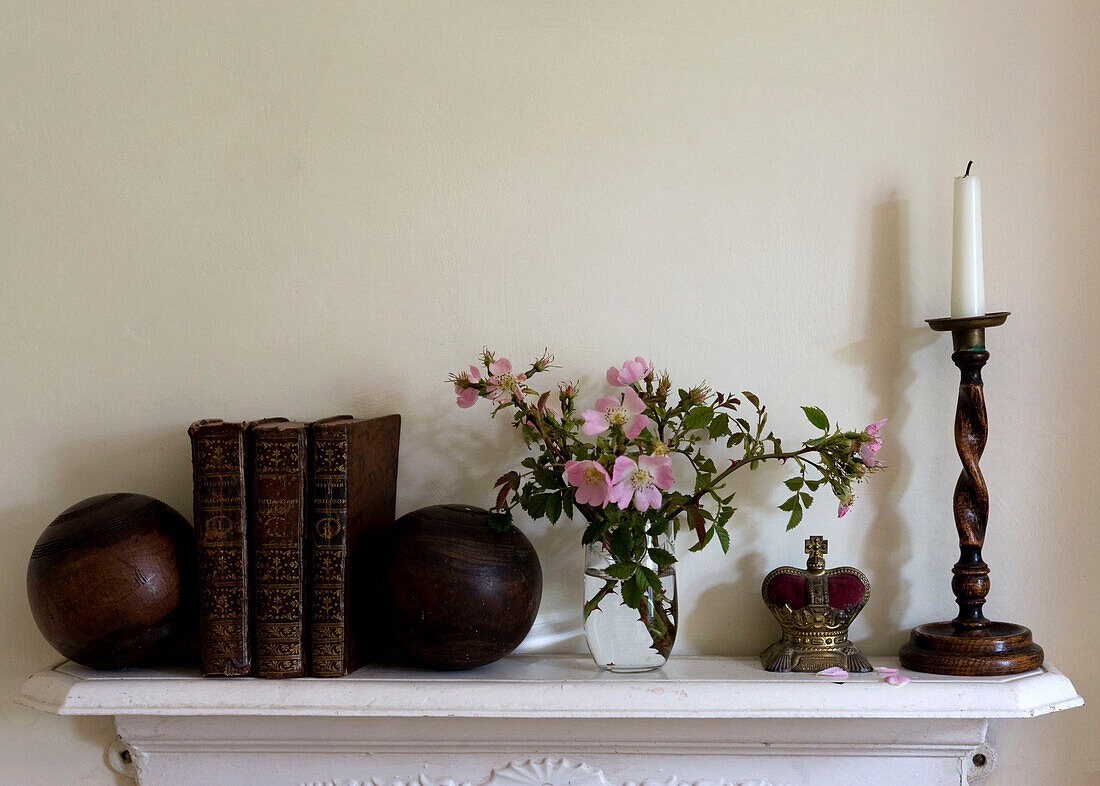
(968,165)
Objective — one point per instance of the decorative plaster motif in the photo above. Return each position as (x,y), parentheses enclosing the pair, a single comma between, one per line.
(674,781)
(548,772)
(543,772)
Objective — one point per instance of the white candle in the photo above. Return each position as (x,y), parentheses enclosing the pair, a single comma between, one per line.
(967,276)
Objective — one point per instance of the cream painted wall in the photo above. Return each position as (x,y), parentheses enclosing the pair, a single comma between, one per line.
(246,209)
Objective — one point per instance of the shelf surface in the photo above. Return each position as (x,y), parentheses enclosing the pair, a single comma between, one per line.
(552,686)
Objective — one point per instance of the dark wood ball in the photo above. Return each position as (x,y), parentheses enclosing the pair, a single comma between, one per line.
(459,594)
(111,581)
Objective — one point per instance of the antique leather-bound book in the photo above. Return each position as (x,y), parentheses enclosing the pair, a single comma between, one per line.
(353,491)
(278,509)
(218,458)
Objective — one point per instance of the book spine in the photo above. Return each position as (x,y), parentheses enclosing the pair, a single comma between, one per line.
(221,524)
(278,511)
(328,631)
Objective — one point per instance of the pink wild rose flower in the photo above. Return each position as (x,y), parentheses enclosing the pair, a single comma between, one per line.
(467,397)
(625,414)
(504,384)
(868,449)
(631,372)
(640,481)
(592,482)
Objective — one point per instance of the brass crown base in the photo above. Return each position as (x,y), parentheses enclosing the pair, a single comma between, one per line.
(995,649)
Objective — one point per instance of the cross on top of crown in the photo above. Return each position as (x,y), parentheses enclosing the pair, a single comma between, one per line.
(817,547)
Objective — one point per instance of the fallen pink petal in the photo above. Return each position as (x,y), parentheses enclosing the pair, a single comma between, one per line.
(897,679)
(835,672)
(885,670)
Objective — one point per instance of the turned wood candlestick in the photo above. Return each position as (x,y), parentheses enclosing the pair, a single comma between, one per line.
(970,644)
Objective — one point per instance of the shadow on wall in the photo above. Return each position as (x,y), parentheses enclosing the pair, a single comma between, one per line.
(730,618)
(894,336)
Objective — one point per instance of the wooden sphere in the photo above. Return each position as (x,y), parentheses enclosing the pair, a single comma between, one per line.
(111,581)
(459,594)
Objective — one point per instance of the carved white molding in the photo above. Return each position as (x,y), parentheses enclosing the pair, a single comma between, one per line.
(541,772)
(695,722)
(527,686)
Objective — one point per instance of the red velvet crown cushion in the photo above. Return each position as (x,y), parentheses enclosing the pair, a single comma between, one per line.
(788,589)
(845,591)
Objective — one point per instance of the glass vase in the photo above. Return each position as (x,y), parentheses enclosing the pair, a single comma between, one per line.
(621,638)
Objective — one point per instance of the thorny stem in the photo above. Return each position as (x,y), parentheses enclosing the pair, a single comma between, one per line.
(716,481)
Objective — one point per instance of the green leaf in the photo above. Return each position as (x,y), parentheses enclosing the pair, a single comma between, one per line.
(794,484)
(500,522)
(751,398)
(796,516)
(536,505)
(723,538)
(702,544)
(622,570)
(816,417)
(546,478)
(661,558)
(553,508)
(657,529)
(632,593)
(790,503)
(567,503)
(699,417)
(720,426)
(652,579)
(621,544)
(807,500)
(695,521)
(593,531)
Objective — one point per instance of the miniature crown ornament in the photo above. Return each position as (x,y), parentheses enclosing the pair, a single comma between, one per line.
(814,608)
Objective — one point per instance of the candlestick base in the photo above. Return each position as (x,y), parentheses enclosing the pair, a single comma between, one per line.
(996,649)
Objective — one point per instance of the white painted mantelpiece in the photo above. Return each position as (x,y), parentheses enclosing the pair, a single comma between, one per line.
(551,720)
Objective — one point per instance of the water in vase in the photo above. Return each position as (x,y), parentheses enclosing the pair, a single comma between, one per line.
(617,637)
